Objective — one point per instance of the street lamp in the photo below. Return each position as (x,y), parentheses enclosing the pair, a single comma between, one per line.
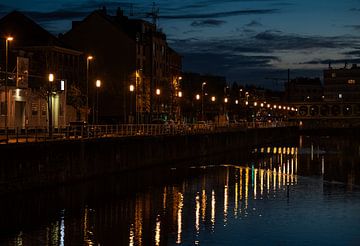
(98,85)
(88,59)
(158,92)
(51,80)
(213,98)
(131,89)
(202,100)
(7,40)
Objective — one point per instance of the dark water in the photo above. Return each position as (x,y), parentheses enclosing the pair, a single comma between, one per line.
(306,193)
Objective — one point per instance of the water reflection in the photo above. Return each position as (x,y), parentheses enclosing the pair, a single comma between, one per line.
(190,206)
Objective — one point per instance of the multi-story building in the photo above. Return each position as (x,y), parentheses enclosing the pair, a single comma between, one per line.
(26,94)
(304,89)
(340,103)
(127,52)
(342,85)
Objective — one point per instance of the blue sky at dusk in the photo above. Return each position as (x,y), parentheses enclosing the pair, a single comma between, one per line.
(244,40)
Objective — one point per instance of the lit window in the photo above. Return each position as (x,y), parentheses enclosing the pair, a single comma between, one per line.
(351,81)
(333,75)
(340,96)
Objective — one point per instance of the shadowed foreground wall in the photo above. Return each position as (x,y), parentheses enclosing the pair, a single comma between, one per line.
(25,166)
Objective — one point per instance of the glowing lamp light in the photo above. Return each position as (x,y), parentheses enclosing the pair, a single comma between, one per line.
(51,77)
(98,83)
(213,99)
(236,101)
(225,100)
(180,94)
(131,88)
(62,85)
(197,97)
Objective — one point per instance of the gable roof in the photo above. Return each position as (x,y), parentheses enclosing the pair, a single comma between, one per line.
(25,31)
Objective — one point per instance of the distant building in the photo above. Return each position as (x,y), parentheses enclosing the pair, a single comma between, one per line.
(342,85)
(33,54)
(304,89)
(203,93)
(128,52)
(340,106)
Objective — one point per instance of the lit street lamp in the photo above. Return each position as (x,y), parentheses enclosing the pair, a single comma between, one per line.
(131,89)
(98,85)
(88,59)
(7,40)
(158,92)
(51,80)
(202,100)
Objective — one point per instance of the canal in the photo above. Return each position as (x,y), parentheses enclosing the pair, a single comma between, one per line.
(301,193)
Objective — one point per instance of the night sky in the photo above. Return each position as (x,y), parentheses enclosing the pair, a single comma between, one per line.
(244,40)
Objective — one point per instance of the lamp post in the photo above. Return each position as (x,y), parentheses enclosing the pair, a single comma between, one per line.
(202,100)
(88,59)
(158,92)
(131,89)
(180,96)
(7,40)
(98,85)
(51,79)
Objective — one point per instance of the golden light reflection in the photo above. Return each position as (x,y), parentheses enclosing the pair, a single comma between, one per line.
(246,187)
(240,182)
(164,198)
(179,217)
(226,195)
(197,213)
(279,177)
(261,181)
(138,220)
(236,208)
(157,231)
(203,205)
(131,235)
(274,179)
(87,229)
(213,204)
(255,182)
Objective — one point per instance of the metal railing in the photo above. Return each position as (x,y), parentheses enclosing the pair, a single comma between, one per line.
(79,132)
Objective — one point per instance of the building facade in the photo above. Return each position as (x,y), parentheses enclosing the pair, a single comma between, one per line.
(127,52)
(27,96)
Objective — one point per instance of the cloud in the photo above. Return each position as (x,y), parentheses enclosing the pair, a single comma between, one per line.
(276,40)
(221,14)
(355,27)
(355,9)
(254,24)
(56,15)
(208,23)
(332,61)
(354,52)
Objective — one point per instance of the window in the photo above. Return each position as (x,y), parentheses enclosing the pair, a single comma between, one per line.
(34,109)
(333,75)
(43,109)
(3,108)
(351,81)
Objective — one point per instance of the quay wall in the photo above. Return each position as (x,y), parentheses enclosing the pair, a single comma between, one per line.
(29,165)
